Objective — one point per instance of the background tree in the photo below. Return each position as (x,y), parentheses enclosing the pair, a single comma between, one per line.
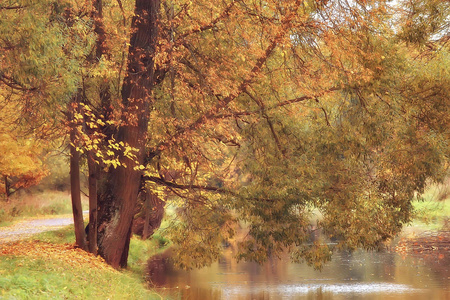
(20,164)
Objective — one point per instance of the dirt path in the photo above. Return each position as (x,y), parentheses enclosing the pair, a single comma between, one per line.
(27,228)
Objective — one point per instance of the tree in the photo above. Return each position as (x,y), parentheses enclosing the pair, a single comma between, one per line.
(263,114)
(37,37)
(338,57)
(20,163)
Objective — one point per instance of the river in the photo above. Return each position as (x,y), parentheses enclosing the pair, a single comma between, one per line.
(357,275)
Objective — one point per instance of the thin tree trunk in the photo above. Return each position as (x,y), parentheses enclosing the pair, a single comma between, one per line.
(147,210)
(92,235)
(7,188)
(93,170)
(105,98)
(119,199)
(80,236)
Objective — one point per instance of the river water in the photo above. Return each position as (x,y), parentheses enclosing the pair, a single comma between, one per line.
(357,275)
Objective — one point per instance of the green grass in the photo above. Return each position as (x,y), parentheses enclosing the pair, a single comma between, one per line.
(64,235)
(140,250)
(31,278)
(27,278)
(432,210)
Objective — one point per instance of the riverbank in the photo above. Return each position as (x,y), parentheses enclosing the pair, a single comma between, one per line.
(42,270)
(433,246)
(48,266)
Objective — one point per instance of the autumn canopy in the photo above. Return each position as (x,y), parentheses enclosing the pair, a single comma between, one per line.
(257,116)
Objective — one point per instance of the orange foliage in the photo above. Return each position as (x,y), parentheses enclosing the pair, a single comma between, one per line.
(63,252)
(20,162)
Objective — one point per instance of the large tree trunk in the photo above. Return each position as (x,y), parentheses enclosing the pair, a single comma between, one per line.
(119,195)
(80,236)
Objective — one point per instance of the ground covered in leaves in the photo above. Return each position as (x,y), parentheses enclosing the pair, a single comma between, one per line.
(67,253)
(42,270)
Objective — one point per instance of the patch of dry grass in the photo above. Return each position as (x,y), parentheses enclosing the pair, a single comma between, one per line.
(25,205)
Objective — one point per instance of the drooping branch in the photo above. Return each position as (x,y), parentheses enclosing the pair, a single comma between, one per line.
(174,185)
(306,97)
(261,104)
(203,77)
(324,113)
(278,105)
(122,11)
(14,84)
(13,7)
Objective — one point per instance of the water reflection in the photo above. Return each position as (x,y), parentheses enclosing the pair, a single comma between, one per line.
(349,276)
(290,291)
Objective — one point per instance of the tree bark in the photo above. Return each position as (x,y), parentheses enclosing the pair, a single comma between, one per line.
(92,235)
(7,188)
(154,213)
(147,212)
(119,196)
(80,236)
(93,170)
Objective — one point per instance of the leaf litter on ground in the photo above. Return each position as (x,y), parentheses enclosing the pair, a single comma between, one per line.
(67,253)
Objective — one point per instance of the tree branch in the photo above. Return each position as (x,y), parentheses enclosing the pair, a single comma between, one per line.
(13,7)
(14,84)
(172,184)
(280,104)
(286,24)
(210,25)
(224,102)
(261,104)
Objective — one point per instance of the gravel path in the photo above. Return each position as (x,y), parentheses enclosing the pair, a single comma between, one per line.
(28,228)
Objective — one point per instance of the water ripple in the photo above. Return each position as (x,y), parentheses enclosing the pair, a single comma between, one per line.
(301,289)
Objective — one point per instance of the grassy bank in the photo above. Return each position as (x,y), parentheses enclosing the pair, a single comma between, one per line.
(140,251)
(37,270)
(47,266)
(432,209)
